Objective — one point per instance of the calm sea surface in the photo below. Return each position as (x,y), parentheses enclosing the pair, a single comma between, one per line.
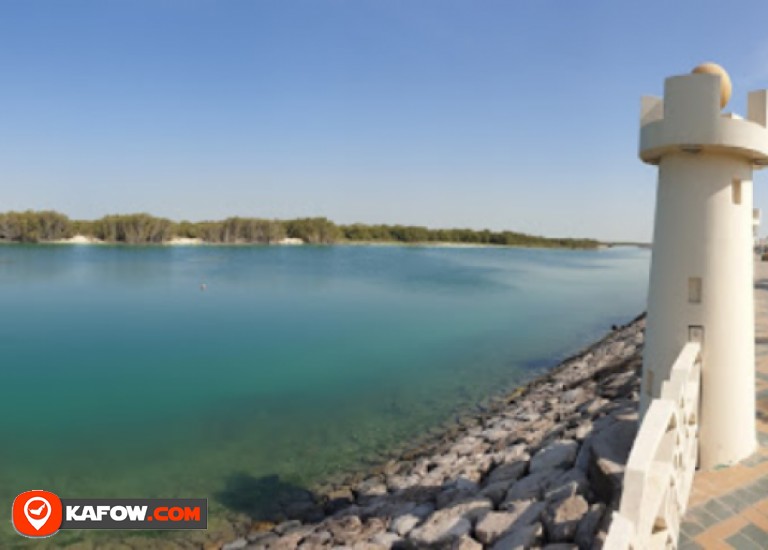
(121,377)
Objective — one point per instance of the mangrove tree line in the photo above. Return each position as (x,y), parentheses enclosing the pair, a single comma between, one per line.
(45,226)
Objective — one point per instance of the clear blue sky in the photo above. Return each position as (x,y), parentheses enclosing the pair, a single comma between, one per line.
(503,114)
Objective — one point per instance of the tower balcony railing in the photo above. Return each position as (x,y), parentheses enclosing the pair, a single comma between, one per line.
(661,464)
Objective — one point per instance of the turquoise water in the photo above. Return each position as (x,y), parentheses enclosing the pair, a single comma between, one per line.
(121,377)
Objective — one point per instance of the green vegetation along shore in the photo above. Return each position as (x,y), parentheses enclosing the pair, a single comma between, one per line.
(50,226)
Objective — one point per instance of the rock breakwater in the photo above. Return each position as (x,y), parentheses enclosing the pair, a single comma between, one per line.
(541,467)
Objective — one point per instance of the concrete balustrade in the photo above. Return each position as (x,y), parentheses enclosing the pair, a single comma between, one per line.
(661,464)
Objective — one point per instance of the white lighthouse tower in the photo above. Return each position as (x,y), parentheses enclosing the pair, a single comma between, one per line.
(701,285)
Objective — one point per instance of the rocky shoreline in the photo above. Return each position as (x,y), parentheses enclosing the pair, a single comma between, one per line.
(541,467)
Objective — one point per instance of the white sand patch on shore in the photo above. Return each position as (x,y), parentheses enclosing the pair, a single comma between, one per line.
(184,241)
(440,244)
(291,241)
(425,244)
(79,239)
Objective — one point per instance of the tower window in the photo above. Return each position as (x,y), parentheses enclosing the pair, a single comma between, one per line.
(694,290)
(696,334)
(736,191)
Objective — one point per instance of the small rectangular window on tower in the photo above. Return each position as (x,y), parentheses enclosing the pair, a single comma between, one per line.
(694,290)
(736,191)
(696,334)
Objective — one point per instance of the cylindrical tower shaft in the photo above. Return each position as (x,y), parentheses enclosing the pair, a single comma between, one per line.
(701,289)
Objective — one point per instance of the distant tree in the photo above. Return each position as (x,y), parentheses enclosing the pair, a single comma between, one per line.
(186,229)
(133,229)
(313,230)
(31,226)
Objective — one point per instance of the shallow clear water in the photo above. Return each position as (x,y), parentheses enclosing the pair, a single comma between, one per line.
(121,377)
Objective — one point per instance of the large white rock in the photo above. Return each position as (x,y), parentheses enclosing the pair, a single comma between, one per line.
(402,525)
(508,472)
(609,450)
(532,486)
(562,518)
(440,529)
(495,525)
(559,454)
(450,523)
(386,540)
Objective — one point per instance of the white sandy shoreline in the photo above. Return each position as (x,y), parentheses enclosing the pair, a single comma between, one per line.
(291,241)
(176,241)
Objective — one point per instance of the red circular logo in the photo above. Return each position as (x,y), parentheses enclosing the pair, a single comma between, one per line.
(37,513)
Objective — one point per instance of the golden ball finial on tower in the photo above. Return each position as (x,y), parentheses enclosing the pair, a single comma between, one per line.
(725,80)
